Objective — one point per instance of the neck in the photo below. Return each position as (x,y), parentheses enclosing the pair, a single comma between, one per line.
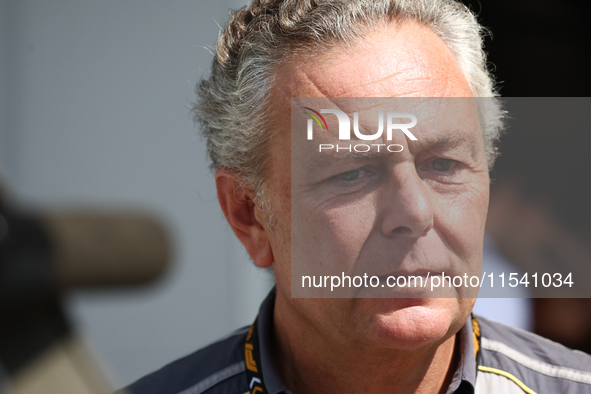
(310,362)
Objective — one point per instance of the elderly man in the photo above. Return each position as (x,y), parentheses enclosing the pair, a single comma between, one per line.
(428,199)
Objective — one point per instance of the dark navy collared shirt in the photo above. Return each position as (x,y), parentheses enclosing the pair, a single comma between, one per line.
(512,361)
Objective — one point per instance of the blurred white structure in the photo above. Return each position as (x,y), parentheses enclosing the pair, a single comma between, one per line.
(516,311)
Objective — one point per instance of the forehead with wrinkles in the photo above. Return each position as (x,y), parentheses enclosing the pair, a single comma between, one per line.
(398,60)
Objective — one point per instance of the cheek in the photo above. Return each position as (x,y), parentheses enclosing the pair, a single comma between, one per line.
(332,237)
(349,229)
(461,219)
(278,221)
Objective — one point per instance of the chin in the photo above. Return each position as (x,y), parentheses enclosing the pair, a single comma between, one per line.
(408,324)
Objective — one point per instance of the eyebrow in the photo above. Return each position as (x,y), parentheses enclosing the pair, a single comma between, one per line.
(333,158)
(450,140)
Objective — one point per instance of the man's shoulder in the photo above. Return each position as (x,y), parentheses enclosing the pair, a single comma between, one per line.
(217,368)
(518,361)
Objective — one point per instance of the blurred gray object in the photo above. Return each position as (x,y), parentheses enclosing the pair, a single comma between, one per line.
(41,256)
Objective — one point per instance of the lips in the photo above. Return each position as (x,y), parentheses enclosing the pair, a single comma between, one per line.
(423,273)
(407,280)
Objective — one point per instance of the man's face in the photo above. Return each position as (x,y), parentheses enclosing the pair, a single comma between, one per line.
(426,207)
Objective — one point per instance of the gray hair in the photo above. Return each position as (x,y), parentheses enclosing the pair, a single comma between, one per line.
(232,105)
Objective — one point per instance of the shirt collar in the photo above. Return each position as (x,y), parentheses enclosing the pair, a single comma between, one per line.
(463,381)
(464,378)
(265,328)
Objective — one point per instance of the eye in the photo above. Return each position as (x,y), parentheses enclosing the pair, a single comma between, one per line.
(350,176)
(442,164)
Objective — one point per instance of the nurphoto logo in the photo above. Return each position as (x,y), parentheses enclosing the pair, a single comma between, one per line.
(392,124)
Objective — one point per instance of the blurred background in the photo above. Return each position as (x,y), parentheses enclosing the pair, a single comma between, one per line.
(539,212)
(94,99)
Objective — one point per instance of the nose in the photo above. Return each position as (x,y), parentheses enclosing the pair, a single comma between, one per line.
(405,205)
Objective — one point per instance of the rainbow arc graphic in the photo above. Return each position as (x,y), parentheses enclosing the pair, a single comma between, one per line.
(315,116)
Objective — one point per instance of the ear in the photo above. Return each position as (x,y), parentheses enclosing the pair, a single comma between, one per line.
(242,214)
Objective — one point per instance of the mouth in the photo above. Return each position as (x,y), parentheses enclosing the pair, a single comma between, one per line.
(423,274)
(420,283)
(407,280)
(404,273)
